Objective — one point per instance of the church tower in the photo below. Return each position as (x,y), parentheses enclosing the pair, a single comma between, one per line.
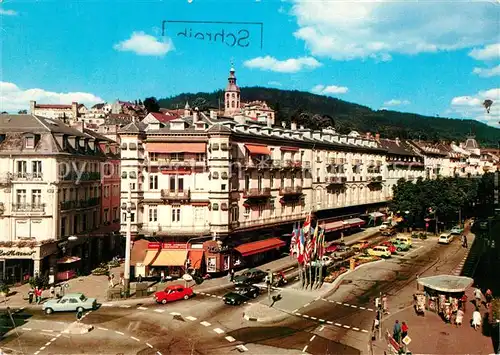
(231,96)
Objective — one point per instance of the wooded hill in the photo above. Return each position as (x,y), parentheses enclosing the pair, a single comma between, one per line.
(318,111)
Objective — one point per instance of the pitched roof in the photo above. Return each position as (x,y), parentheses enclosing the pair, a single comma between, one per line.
(133,127)
(53,106)
(99,106)
(163,118)
(397,147)
(35,124)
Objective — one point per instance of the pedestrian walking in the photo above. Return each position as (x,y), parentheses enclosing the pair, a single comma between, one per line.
(38,295)
(478,295)
(231,275)
(162,276)
(31,293)
(464,241)
(463,300)
(122,280)
(476,319)
(489,296)
(396,331)
(459,318)
(385,306)
(404,330)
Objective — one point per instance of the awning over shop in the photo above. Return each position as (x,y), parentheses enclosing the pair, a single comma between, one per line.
(139,251)
(170,258)
(196,258)
(334,226)
(258,149)
(446,283)
(150,257)
(68,260)
(354,222)
(290,149)
(376,214)
(259,246)
(176,147)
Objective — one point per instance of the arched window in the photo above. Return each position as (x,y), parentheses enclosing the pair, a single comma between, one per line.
(227,95)
(232,104)
(227,104)
(234,95)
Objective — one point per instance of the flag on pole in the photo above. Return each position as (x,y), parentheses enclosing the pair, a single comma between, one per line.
(308,251)
(294,241)
(314,242)
(307,224)
(321,244)
(302,245)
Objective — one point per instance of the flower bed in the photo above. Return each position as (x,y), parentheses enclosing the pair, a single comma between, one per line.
(334,274)
(365,259)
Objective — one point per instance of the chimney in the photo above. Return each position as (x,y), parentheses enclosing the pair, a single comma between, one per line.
(269,121)
(195,115)
(368,135)
(283,124)
(301,126)
(74,110)
(32,107)
(213,115)
(377,137)
(293,126)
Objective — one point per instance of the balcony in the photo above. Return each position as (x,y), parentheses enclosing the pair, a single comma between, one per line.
(411,177)
(375,179)
(77,204)
(153,229)
(85,176)
(260,222)
(27,208)
(306,165)
(297,190)
(297,164)
(28,176)
(177,195)
(256,193)
(337,180)
(287,164)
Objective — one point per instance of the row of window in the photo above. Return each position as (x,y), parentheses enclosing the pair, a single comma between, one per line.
(83,193)
(115,190)
(81,223)
(132,146)
(22,197)
(176,156)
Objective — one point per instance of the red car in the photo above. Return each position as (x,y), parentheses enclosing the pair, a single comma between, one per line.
(173,293)
(390,246)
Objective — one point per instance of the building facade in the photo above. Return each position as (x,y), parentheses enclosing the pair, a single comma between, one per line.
(51,190)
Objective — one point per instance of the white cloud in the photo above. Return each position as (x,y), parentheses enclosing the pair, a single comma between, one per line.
(7,12)
(143,44)
(292,65)
(395,102)
(13,98)
(329,89)
(489,52)
(274,83)
(487,72)
(345,30)
(472,106)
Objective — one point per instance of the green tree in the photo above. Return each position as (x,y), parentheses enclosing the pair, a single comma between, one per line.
(151,104)
(201,103)
(22,112)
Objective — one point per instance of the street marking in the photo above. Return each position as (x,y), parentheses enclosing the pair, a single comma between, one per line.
(175,314)
(191,318)
(250,303)
(48,343)
(322,327)
(295,310)
(314,318)
(364,331)
(305,348)
(338,302)
(27,329)
(53,339)
(37,352)
(58,335)
(158,353)
(338,324)
(230,339)
(101,328)
(346,304)
(297,314)
(125,306)
(142,308)
(305,316)
(151,346)
(205,324)
(214,296)
(353,306)
(107,304)
(159,310)
(322,320)
(312,338)
(307,304)
(242,347)
(117,332)
(42,348)
(329,322)
(134,338)
(218,331)
(202,293)
(219,297)
(369,309)
(47,330)
(362,308)
(347,327)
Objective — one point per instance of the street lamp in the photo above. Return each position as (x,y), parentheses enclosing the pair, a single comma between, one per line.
(127,208)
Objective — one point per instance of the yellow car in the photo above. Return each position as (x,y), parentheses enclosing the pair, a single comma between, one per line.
(381,251)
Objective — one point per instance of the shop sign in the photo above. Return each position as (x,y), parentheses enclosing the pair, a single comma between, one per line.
(13,254)
(211,265)
(214,249)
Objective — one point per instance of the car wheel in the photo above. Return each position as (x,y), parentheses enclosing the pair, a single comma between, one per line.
(163,301)
(255,295)
(186,297)
(399,250)
(79,309)
(49,310)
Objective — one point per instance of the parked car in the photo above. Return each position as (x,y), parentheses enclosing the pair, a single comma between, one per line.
(389,245)
(337,247)
(445,238)
(241,294)
(401,246)
(381,251)
(250,277)
(173,293)
(457,230)
(72,302)
(360,245)
(385,225)
(388,232)
(402,240)
(327,261)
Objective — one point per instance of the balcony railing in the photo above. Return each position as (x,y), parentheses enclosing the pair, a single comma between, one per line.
(86,176)
(337,179)
(28,208)
(297,190)
(375,178)
(155,228)
(288,163)
(307,165)
(271,220)
(297,164)
(75,204)
(28,176)
(264,192)
(175,195)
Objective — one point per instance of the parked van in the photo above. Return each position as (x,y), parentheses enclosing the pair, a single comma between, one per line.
(445,238)
(403,240)
(381,251)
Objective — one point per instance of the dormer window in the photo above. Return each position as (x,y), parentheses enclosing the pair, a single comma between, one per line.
(224,146)
(133,175)
(132,146)
(29,142)
(124,146)
(124,175)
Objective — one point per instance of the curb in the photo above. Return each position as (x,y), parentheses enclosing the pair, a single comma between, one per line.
(335,286)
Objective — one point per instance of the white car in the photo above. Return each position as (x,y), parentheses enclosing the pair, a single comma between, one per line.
(327,261)
(385,225)
(445,238)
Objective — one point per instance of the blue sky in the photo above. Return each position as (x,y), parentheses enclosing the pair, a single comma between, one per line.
(427,57)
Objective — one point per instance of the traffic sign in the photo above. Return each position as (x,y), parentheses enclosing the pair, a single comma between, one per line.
(407,340)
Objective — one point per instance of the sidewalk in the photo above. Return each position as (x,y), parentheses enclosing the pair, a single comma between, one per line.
(429,334)
(97,286)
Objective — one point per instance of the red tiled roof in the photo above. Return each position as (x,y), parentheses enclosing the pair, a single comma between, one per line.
(54,106)
(163,118)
